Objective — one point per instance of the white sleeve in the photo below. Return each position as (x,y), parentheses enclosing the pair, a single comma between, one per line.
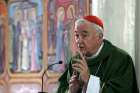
(93,84)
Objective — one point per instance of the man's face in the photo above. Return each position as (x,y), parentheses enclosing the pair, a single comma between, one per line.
(87,39)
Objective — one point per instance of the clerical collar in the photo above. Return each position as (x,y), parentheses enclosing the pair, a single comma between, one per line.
(97,53)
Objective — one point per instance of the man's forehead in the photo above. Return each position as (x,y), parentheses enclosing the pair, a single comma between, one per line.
(81,27)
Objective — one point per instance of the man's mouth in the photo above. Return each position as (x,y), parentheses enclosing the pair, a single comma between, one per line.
(81,46)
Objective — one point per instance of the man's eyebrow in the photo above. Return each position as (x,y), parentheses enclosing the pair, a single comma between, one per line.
(85,31)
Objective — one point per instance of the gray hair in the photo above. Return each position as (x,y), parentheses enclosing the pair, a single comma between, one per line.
(93,25)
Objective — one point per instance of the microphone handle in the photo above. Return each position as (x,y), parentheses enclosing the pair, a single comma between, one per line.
(74,71)
(79,56)
(52,65)
(60,62)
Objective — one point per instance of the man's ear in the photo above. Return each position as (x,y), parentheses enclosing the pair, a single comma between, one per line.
(100,38)
(101,35)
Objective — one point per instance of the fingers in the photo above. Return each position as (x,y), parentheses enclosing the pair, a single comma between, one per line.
(79,64)
(79,61)
(74,84)
(78,67)
(82,56)
(73,78)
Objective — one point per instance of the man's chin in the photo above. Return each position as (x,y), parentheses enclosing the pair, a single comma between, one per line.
(87,54)
(83,51)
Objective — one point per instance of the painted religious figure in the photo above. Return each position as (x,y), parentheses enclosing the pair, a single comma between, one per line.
(2,44)
(26,30)
(3,14)
(61,16)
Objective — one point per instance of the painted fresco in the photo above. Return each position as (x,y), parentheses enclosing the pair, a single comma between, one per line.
(61,16)
(26,31)
(3,14)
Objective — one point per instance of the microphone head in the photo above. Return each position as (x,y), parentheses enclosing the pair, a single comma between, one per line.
(60,62)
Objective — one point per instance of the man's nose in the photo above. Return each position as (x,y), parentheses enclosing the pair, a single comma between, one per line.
(79,39)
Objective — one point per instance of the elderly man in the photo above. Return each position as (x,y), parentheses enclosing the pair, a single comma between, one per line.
(99,66)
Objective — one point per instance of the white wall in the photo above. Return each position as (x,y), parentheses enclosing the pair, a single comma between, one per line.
(137,44)
(119,21)
(122,25)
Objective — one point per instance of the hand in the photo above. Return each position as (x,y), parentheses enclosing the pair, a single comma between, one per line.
(74,84)
(82,68)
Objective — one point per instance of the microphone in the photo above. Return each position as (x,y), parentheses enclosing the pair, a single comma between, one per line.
(74,71)
(60,62)
(81,56)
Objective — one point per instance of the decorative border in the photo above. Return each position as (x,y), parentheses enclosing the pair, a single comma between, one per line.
(23,83)
(3,84)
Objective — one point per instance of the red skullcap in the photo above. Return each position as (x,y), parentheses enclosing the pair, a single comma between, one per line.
(94,19)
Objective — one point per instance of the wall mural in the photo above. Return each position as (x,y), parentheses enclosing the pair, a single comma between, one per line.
(23,34)
(26,31)
(58,33)
(3,13)
(61,15)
